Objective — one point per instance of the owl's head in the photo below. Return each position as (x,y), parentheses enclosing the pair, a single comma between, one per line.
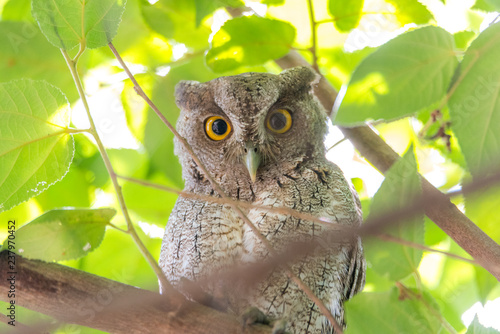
(250,123)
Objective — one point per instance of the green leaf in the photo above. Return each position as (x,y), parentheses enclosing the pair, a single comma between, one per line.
(36,147)
(22,47)
(403,76)
(474,104)
(457,289)
(177,20)
(346,13)
(476,328)
(133,163)
(136,42)
(411,11)
(249,40)
(273,2)
(73,190)
(118,259)
(17,10)
(485,283)
(59,235)
(463,39)
(400,189)
(88,158)
(207,7)
(487,5)
(67,23)
(338,65)
(387,312)
(151,204)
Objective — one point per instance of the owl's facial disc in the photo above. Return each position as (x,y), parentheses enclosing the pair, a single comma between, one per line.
(252,160)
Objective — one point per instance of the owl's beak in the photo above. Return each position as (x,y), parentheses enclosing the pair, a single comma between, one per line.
(252,160)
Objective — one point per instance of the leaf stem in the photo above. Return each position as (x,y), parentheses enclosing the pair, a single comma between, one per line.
(117,228)
(390,238)
(290,212)
(81,50)
(73,131)
(314,39)
(336,144)
(93,130)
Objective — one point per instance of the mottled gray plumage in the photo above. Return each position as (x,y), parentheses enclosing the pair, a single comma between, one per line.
(202,238)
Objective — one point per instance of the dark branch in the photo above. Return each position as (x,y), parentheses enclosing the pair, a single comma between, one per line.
(74,296)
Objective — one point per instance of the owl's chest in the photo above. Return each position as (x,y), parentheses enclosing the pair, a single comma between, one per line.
(200,238)
(318,191)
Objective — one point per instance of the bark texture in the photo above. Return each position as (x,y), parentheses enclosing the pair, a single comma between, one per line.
(77,297)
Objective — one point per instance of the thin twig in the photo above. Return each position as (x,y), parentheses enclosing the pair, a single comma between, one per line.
(336,144)
(314,39)
(246,205)
(130,227)
(492,179)
(308,217)
(220,191)
(494,20)
(387,237)
(325,21)
(117,228)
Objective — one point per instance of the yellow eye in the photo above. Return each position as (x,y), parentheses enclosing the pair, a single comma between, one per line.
(217,128)
(279,121)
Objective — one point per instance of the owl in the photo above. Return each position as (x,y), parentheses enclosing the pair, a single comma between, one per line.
(261,138)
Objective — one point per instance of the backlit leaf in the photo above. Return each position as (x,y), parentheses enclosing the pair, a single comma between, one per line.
(176,20)
(400,189)
(21,43)
(474,104)
(463,39)
(17,10)
(404,75)
(67,23)
(410,11)
(477,328)
(36,147)
(487,5)
(207,7)
(345,13)
(249,40)
(62,234)
(388,312)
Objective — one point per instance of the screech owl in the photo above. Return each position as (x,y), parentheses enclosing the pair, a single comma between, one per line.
(261,137)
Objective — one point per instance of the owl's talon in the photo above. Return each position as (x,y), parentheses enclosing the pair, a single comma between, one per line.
(279,326)
(253,315)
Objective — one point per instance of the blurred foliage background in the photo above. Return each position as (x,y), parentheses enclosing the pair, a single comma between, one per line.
(166,41)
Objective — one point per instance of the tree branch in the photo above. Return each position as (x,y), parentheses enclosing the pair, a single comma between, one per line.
(74,296)
(441,211)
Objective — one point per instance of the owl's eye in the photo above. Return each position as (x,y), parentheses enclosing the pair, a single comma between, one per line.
(217,128)
(279,121)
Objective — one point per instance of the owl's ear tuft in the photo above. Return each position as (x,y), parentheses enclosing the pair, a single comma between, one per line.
(187,94)
(299,78)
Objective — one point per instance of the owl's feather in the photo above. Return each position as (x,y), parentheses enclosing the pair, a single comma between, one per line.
(203,238)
